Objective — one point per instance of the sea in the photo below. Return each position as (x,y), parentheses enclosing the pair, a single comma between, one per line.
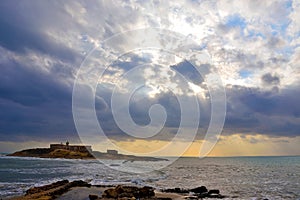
(236,177)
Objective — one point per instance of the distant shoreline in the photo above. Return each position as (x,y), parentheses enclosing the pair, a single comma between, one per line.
(166,157)
(68,154)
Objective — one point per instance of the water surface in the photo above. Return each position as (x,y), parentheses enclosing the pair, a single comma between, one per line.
(242,177)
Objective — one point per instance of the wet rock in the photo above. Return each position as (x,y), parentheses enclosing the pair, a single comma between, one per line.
(199,190)
(110,193)
(93,197)
(35,190)
(146,191)
(196,193)
(176,190)
(128,192)
(79,183)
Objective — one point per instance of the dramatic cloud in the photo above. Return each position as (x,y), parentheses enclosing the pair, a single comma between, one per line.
(253,46)
(252,110)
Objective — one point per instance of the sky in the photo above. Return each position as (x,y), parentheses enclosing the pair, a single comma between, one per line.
(152,74)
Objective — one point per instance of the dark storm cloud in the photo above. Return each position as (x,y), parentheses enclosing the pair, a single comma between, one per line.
(21,30)
(30,87)
(253,110)
(277,104)
(188,71)
(139,111)
(33,104)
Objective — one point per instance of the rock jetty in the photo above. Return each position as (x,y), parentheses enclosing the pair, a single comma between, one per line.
(51,191)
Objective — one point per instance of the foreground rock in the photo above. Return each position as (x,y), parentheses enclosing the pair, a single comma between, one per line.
(65,190)
(122,191)
(196,193)
(51,191)
(93,197)
(133,192)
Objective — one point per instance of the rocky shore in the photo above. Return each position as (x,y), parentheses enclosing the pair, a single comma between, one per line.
(80,190)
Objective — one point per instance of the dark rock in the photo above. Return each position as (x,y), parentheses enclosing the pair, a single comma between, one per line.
(216,196)
(199,190)
(110,193)
(203,195)
(93,197)
(129,192)
(79,183)
(146,192)
(46,187)
(176,190)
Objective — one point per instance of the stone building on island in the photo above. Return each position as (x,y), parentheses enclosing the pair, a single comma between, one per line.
(67,146)
(113,152)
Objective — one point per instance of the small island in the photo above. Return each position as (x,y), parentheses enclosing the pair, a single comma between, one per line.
(68,151)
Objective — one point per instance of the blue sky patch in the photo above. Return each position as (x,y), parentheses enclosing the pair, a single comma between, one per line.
(235,21)
(245,73)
